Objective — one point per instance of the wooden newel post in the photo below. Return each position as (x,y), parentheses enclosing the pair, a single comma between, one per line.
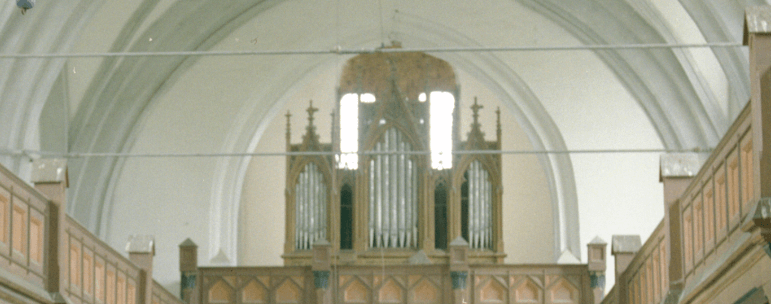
(597,266)
(459,270)
(321,267)
(50,178)
(676,172)
(141,249)
(623,249)
(188,269)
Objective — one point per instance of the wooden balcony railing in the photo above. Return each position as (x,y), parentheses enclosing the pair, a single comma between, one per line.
(397,284)
(645,280)
(80,266)
(718,198)
(163,296)
(96,273)
(23,230)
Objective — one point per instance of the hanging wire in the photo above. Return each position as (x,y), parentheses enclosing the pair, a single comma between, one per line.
(337,50)
(36,153)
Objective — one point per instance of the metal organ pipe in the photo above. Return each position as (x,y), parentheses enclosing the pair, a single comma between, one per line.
(394,192)
(392,199)
(310,207)
(480,207)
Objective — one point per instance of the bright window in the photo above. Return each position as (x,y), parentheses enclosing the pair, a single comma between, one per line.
(442,105)
(349,131)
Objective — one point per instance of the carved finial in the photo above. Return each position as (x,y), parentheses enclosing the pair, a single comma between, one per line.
(311,110)
(475,109)
(288,126)
(310,134)
(498,123)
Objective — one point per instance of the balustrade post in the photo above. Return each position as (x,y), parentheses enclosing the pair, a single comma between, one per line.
(188,269)
(676,173)
(459,270)
(141,249)
(50,178)
(757,35)
(597,265)
(321,267)
(623,249)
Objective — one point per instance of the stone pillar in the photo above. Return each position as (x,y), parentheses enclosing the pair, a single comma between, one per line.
(321,267)
(459,270)
(141,249)
(188,268)
(676,173)
(50,178)
(597,265)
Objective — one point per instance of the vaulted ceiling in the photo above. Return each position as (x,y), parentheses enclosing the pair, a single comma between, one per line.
(615,98)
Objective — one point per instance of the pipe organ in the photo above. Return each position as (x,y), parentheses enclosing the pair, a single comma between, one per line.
(480,206)
(394,200)
(310,207)
(393,197)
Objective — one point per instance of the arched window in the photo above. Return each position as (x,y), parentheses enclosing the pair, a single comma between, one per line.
(349,128)
(442,105)
(393,194)
(476,207)
(310,207)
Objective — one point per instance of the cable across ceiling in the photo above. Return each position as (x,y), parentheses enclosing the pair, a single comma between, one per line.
(341,51)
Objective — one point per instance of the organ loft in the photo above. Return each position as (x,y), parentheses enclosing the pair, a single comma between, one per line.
(398,180)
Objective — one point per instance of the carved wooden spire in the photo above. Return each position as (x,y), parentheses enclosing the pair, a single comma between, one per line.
(288,129)
(498,124)
(476,129)
(476,138)
(310,134)
(475,109)
(311,110)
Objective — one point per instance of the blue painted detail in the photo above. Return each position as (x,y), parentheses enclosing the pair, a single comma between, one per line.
(458,279)
(187,282)
(767,248)
(26,4)
(321,279)
(597,280)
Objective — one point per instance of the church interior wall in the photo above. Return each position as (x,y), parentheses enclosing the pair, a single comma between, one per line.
(194,110)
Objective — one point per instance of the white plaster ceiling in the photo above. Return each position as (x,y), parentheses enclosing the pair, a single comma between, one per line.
(608,99)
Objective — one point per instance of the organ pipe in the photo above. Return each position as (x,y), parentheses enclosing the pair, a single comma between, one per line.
(310,207)
(393,198)
(480,207)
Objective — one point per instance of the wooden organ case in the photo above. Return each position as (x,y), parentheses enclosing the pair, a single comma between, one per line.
(386,195)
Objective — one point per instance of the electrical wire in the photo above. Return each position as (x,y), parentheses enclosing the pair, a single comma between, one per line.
(32,154)
(337,50)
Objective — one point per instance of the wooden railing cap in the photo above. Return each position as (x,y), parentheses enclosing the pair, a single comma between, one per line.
(49,170)
(757,20)
(625,244)
(141,244)
(676,165)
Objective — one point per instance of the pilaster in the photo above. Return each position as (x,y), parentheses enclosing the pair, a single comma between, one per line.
(141,249)
(321,267)
(50,178)
(188,269)
(597,265)
(459,270)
